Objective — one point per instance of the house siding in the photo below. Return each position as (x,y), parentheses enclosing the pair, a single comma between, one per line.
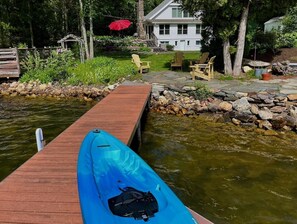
(274,24)
(182,39)
(184,42)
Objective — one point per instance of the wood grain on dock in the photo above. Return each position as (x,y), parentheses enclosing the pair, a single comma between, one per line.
(44,189)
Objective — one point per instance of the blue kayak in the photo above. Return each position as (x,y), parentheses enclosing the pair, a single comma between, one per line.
(117,187)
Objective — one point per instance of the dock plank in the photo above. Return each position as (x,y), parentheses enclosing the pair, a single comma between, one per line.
(44,189)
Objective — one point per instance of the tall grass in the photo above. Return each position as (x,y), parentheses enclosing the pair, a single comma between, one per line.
(100,70)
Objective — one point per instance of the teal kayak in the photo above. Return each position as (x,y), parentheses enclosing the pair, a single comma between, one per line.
(117,187)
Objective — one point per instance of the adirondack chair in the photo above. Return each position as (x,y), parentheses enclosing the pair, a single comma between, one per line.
(204,71)
(202,60)
(141,65)
(177,62)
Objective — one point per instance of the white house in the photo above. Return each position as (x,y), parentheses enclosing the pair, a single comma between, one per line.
(169,24)
(273,24)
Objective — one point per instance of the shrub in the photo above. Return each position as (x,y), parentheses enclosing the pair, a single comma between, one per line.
(32,62)
(287,40)
(22,45)
(144,49)
(290,21)
(202,92)
(169,47)
(265,42)
(5,34)
(54,68)
(100,70)
(113,42)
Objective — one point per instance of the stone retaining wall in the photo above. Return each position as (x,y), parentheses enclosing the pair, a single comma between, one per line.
(264,110)
(34,89)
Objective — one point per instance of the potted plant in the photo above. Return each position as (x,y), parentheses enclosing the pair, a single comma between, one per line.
(266,76)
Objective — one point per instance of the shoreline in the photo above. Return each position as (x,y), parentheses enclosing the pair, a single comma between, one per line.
(264,110)
(35,89)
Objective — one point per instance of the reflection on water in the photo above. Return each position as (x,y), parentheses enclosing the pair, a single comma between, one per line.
(19,118)
(225,173)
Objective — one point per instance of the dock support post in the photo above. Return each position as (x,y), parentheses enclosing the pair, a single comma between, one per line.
(139,133)
(39,139)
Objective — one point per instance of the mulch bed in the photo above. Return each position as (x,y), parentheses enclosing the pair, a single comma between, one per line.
(282,55)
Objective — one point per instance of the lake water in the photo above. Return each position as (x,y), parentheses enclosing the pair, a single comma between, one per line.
(19,118)
(225,173)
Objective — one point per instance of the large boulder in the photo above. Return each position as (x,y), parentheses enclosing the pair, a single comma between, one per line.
(242,105)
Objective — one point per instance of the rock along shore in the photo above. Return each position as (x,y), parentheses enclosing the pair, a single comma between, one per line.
(34,89)
(269,111)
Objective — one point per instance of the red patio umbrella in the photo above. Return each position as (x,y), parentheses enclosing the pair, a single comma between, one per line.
(120,24)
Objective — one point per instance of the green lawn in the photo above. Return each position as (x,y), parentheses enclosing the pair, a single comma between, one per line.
(159,61)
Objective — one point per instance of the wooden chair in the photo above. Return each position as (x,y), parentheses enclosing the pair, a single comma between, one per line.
(204,71)
(177,62)
(141,65)
(202,60)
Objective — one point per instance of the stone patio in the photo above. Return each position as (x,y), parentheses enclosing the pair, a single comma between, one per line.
(181,79)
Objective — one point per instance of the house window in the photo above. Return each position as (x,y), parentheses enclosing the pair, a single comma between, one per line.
(188,43)
(175,43)
(198,28)
(182,29)
(176,12)
(164,29)
(186,14)
(198,42)
(179,13)
(164,42)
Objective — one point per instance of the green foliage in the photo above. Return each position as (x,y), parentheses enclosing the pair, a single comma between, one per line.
(115,42)
(54,68)
(100,70)
(226,77)
(232,49)
(290,21)
(265,42)
(288,36)
(286,40)
(144,49)
(251,74)
(202,92)
(5,34)
(169,47)
(22,45)
(32,62)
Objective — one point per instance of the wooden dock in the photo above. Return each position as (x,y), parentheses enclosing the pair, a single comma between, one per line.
(44,189)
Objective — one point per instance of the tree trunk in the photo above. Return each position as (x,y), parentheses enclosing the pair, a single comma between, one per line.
(91,13)
(30,25)
(65,17)
(83,29)
(241,41)
(140,19)
(91,38)
(227,58)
